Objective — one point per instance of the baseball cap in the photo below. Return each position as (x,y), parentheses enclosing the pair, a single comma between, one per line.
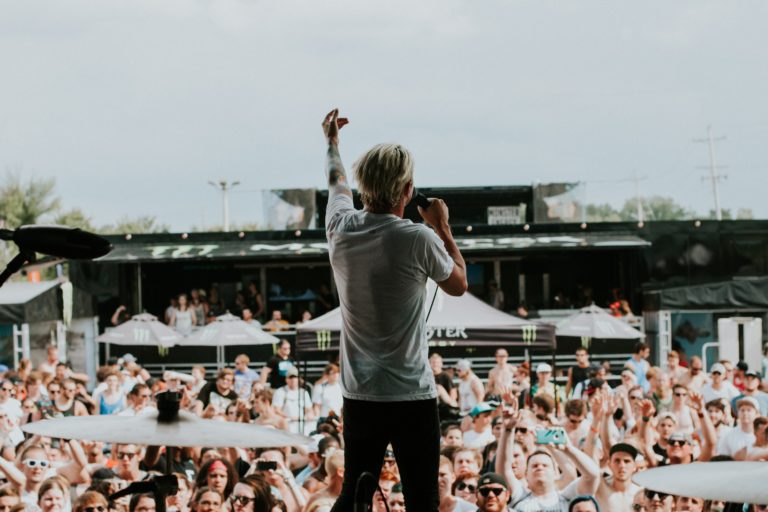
(748,400)
(292,372)
(492,478)
(481,408)
(624,448)
(128,358)
(463,364)
(680,436)
(667,414)
(753,373)
(718,367)
(543,368)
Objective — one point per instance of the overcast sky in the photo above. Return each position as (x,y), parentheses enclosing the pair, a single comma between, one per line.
(134,105)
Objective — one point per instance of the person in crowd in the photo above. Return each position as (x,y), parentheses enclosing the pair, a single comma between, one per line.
(66,402)
(467,461)
(659,389)
(447,393)
(276,323)
(471,390)
(216,306)
(183,316)
(492,493)
(502,375)
(248,318)
(139,401)
(743,435)
(584,504)
(695,377)
(616,492)
(686,419)
(120,316)
(579,372)
(453,436)
(638,362)
(198,304)
(276,369)
(465,487)
(677,373)
(206,500)
(266,414)
(446,479)
(326,395)
(294,403)
(544,384)
(53,495)
(244,376)
(306,316)
(254,300)
(112,399)
(142,503)
(480,434)
(752,382)
(252,494)
(216,396)
(48,367)
(334,470)
(719,385)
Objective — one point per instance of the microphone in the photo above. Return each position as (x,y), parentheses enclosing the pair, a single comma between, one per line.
(60,241)
(420,199)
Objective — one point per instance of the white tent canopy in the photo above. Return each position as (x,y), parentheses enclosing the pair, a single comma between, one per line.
(594,322)
(144,330)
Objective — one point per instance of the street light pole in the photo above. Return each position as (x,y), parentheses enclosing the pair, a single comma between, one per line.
(225,187)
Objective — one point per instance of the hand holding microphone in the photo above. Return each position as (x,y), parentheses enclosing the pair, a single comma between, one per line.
(434,211)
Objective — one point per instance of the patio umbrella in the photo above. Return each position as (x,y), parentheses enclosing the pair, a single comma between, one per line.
(144,330)
(594,322)
(228,330)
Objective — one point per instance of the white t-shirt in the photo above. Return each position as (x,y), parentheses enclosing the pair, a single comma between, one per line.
(556,501)
(727,392)
(328,397)
(464,506)
(734,440)
(12,409)
(477,440)
(381,264)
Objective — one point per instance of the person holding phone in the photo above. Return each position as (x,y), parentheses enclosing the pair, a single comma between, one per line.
(381,263)
(541,476)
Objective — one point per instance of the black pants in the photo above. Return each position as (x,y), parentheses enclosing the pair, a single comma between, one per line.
(414,431)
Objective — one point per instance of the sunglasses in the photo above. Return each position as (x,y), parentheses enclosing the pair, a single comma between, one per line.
(487,491)
(716,373)
(461,486)
(649,494)
(122,455)
(678,442)
(681,394)
(7,389)
(521,430)
(242,500)
(95,508)
(635,397)
(33,463)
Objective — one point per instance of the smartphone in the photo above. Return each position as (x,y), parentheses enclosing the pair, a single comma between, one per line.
(266,465)
(554,436)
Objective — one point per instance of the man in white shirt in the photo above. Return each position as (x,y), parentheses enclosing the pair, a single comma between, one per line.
(326,396)
(381,263)
(719,386)
(743,434)
(294,403)
(9,405)
(480,434)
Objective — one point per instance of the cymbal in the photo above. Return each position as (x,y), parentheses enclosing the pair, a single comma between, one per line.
(184,430)
(735,482)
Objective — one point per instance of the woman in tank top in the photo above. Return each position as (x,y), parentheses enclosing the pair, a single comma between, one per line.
(112,400)
(183,317)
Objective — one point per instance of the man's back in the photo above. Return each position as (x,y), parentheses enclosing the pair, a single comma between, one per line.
(381,264)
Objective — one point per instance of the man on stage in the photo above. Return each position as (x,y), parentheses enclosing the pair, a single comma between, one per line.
(381,263)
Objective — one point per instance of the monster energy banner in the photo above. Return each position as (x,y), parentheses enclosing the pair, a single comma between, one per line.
(464,321)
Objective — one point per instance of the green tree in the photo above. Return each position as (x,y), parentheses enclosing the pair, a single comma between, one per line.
(74,218)
(602,213)
(140,224)
(656,208)
(26,202)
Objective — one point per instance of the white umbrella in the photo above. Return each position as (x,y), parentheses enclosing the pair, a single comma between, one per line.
(228,330)
(737,482)
(143,329)
(594,322)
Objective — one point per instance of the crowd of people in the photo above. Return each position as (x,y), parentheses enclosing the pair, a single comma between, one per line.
(512,441)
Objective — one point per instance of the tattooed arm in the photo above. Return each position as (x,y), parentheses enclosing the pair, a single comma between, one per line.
(334,168)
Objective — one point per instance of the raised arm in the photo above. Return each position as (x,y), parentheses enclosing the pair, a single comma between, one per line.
(334,168)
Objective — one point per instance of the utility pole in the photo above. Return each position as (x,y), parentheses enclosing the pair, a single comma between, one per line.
(225,187)
(714,177)
(640,212)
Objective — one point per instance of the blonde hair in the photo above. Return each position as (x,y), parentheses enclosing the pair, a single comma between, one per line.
(382,174)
